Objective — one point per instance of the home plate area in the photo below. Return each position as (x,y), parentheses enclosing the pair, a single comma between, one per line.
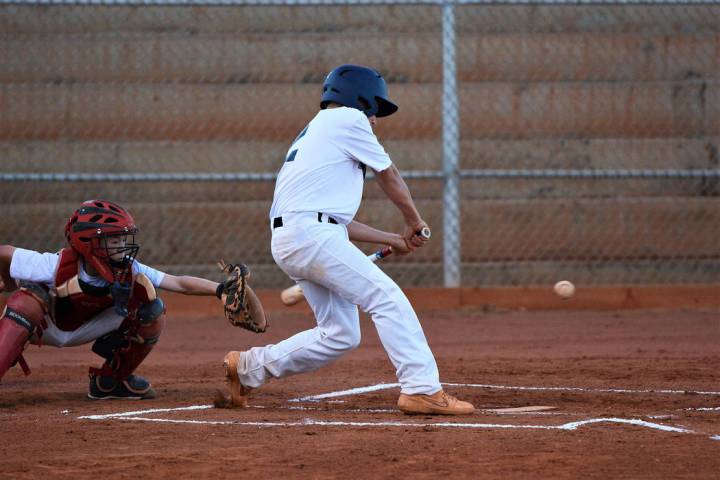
(345,409)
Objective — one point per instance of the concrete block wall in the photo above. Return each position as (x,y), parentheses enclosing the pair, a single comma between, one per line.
(197,89)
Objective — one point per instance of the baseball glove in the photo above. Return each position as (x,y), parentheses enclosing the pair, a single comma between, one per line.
(242,307)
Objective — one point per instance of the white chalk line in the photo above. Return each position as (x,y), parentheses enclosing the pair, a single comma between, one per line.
(581,389)
(205,407)
(143,412)
(343,393)
(385,386)
(295,408)
(704,409)
(324,423)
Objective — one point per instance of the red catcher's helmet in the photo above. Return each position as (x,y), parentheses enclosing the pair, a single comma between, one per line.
(90,226)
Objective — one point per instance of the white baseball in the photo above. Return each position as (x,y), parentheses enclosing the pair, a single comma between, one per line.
(564,289)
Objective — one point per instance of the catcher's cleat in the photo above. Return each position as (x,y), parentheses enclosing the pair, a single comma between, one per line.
(238,392)
(134,387)
(439,403)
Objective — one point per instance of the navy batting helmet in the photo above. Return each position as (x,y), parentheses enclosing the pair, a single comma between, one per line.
(358,87)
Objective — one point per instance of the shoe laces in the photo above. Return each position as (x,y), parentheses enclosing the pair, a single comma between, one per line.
(449,398)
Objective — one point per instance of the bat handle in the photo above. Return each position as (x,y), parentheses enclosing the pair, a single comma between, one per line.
(380,254)
(384,252)
(424,233)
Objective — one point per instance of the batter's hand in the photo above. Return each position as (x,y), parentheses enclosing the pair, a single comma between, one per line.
(412,239)
(399,245)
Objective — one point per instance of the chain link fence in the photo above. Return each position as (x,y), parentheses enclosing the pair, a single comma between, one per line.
(541,140)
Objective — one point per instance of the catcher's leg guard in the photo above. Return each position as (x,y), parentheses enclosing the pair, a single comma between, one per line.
(24,315)
(125,350)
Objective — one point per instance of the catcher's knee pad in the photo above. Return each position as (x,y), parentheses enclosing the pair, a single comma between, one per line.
(146,331)
(149,322)
(124,350)
(149,313)
(24,316)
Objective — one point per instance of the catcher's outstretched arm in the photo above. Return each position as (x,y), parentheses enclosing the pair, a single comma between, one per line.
(188,285)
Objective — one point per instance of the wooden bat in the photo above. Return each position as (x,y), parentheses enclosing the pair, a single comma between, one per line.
(293,295)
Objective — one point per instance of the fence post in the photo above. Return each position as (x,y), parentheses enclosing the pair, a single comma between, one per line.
(451,171)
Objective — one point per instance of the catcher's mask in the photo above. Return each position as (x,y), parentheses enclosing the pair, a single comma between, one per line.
(103,233)
(358,87)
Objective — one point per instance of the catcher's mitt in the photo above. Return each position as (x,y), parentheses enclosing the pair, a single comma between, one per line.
(242,306)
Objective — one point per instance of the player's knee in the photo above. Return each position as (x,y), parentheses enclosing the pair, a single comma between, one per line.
(150,321)
(27,307)
(353,341)
(343,339)
(391,301)
(150,312)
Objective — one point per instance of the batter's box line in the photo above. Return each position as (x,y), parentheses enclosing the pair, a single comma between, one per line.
(135,415)
(259,407)
(385,386)
(570,426)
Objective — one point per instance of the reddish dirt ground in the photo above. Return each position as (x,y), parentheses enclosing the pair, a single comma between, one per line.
(632,350)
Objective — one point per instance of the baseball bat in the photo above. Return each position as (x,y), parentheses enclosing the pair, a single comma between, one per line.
(293,295)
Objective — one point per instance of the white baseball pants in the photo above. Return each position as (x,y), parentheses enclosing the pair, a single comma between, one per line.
(101,324)
(336,276)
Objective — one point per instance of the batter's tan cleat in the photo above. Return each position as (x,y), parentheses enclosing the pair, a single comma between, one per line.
(238,392)
(439,403)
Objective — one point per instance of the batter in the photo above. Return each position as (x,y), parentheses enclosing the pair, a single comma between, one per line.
(317,195)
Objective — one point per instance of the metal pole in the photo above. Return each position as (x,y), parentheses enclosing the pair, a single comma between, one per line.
(451,171)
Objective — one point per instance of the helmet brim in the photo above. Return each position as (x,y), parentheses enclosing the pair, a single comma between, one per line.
(385,107)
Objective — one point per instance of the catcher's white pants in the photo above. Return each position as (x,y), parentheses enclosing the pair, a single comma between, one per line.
(336,276)
(101,324)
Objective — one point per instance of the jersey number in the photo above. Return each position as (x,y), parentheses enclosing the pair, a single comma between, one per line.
(293,153)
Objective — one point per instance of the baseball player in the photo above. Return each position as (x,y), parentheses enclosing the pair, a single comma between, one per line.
(317,194)
(92,290)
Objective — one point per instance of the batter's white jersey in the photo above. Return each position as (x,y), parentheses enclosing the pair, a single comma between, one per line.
(325,167)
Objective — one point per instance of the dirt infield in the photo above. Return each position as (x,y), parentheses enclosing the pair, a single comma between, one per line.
(636,395)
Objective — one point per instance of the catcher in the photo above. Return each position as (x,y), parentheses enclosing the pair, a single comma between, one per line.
(95,291)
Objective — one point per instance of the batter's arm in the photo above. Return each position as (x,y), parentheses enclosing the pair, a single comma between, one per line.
(188,285)
(392,183)
(359,232)
(7,284)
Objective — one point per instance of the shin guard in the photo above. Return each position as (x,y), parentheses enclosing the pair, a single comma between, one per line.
(23,316)
(144,335)
(126,349)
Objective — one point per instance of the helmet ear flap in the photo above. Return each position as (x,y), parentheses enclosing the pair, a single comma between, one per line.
(365,104)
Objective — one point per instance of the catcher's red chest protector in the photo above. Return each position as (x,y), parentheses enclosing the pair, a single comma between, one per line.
(76,302)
